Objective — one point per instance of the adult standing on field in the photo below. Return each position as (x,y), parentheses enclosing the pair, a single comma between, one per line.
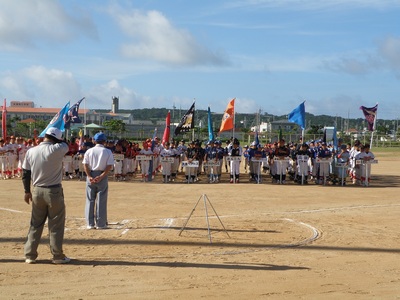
(97,163)
(43,166)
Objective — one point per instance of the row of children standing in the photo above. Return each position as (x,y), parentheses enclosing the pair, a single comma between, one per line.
(302,162)
(12,154)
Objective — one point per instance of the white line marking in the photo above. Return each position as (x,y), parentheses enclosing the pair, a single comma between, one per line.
(168,222)
(13,210)
(314,237)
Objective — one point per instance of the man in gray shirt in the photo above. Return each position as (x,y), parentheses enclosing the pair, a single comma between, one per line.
(43,166)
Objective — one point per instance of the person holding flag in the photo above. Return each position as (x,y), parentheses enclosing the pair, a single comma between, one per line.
(42,168)
(211,160)
(145,164)
(281,162)
(167,153)
(235,152)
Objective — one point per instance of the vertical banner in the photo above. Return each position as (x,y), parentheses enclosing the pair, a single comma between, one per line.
(370,116)
(187,121)
(210,128)
(167,129)
(228,117)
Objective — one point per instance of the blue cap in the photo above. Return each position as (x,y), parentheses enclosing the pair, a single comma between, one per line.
(98,137)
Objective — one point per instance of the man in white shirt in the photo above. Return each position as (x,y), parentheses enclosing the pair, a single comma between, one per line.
(97,163)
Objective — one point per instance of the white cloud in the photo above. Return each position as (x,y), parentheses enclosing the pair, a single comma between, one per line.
(389,49)
(154,37)
(100,97)
(244,105)
(314,4)
(46,87)
(386,56)
(15,85)
(349,65)
(25,24)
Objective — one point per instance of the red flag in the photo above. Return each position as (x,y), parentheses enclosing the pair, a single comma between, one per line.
(228,117)
(4,120)
(167,128)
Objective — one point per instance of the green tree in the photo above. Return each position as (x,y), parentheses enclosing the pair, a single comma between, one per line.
(115,126)
(315,129)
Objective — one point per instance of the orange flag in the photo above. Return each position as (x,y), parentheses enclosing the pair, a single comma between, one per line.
(228,117)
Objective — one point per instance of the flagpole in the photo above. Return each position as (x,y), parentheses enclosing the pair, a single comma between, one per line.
(234,119)
(374,127)
(84,118)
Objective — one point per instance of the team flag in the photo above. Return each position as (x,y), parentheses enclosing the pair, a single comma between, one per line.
(187,121)
(4,120)
(298,116)
(58,120)
(167,129)
(72,116)
(210,128)
(256,139)
(228,117)
(370,116)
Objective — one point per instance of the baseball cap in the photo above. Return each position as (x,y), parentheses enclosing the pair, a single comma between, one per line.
(98,137)
(54,132)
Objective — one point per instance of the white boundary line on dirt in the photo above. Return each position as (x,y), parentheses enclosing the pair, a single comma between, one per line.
(13,210)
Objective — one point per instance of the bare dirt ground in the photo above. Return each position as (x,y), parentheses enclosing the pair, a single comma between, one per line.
(281,242)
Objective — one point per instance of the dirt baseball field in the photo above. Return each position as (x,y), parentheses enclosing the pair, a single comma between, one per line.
(269,242)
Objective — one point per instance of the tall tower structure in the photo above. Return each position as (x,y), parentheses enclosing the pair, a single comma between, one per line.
(115,105)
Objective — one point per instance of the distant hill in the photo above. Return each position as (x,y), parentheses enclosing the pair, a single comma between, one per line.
(249,120)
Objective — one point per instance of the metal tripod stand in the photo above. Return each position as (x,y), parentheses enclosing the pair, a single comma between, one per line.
(206,200)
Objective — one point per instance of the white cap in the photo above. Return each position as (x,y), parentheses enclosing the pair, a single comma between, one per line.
(55,132)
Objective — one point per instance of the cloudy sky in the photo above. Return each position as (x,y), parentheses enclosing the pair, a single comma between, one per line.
(270,55)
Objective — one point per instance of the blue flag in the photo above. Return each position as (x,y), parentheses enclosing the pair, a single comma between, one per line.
(58,120)
(335,139)
(210,129)
(72,115)
(298,116)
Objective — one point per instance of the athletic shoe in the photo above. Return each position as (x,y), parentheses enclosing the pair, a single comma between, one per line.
(61,261)
(30,261)
(89,227)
